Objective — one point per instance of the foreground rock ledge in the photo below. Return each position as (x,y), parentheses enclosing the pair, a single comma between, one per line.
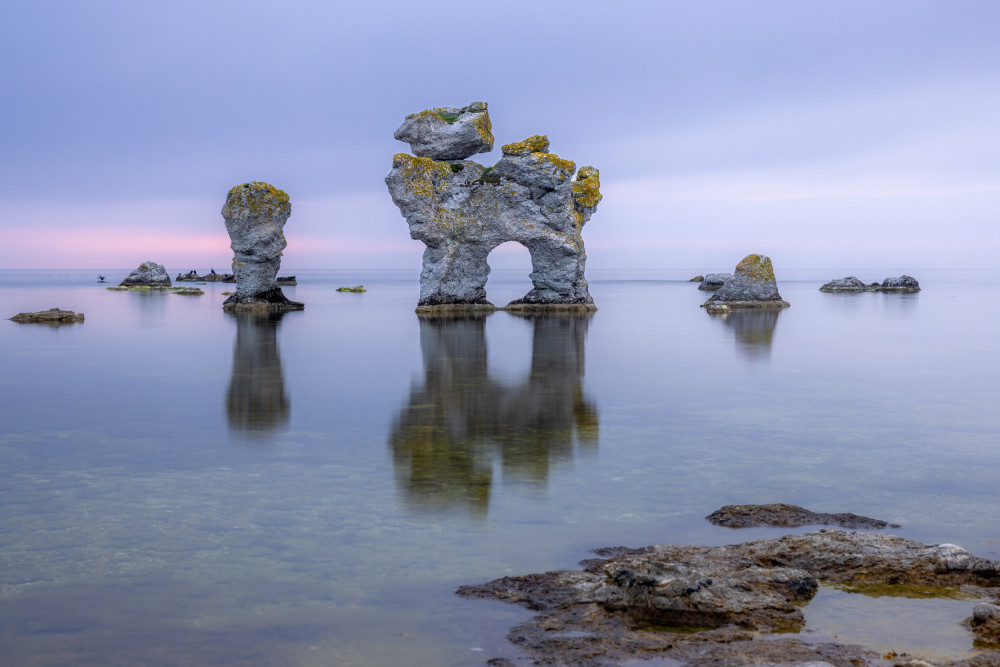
(617,608)
(50,316)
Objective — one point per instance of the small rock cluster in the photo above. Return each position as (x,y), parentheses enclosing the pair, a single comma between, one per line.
(903,283)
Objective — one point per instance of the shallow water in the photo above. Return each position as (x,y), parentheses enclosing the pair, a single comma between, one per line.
(182,485)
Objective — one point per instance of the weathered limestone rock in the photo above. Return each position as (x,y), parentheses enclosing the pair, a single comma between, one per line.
(781,514)
(148,274)
(255,215)
(447,133)
(752,286)
(462,210)
(714,281)
(697,279)
(903,283)
(848,284)
(720,596)
(50,316)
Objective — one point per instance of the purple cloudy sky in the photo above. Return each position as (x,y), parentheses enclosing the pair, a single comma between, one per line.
(826,134)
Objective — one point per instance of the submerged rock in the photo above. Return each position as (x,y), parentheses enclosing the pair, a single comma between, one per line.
(903,283)
(356,288)
(780,514)
(255,215)
(191,291)
(448,133)
(462,210)
(148,274)
(848,284)
(618,607)
(752,286)
(287,281)
(50,316)
(714,281)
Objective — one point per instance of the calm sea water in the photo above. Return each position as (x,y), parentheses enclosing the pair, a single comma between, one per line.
(183,486)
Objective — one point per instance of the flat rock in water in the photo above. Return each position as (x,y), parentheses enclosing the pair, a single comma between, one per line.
(50,316)
(191,291)
(780,514)
(697,279)
(848,284)
(720,599)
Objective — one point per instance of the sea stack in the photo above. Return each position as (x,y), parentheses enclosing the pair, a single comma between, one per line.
(255,215)
(462,210)
(752,286)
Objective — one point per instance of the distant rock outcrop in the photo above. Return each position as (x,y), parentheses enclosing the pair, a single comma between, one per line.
(462,210)
(50,316)
(752,286)
(781,514)
(148,274)
(714,281)
(255,215)
(848,284)
(903,283)
(697,279)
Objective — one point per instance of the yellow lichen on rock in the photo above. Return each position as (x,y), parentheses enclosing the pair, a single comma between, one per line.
(567,166)
(485,128)
(757,268)
(422,174)
(256,199)
(538,143)
(587,187)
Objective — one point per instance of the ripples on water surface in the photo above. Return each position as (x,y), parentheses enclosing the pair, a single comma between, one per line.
(180,485)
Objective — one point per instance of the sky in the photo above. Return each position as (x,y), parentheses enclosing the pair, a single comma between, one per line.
(826,134)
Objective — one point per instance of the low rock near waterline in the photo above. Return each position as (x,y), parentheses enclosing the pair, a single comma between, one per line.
(697,279)
(286,281)
(714,281)
(903,283)
(210,277)
(356,288)
(148,274)
(50,316)
(255,215)
(191,291)
(781,514)
(462,210)
(752,286)
(448,133)
(620,606)
(848,284)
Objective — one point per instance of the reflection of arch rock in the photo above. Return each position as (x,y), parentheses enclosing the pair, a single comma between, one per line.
(256,403)
(753,328)
(461,421)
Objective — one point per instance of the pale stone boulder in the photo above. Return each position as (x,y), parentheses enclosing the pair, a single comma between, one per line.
(448,133)
(148,274)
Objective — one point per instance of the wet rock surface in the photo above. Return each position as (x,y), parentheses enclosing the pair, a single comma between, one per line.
(148,274)
(462,210)
(255,215)
(710,605)
(780,514)
(752,286)
(714,281)
(848,284)
(50,316)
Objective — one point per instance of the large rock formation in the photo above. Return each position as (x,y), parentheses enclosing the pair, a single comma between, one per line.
(50,316)
(148,274)
(752,286)
(255,215)
(462,210)
(719,599)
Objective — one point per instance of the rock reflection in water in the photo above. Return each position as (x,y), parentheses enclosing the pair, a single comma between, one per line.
(754,329)
(256,403)
(461,421)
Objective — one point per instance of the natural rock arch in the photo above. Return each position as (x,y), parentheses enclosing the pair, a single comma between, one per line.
(462,210)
